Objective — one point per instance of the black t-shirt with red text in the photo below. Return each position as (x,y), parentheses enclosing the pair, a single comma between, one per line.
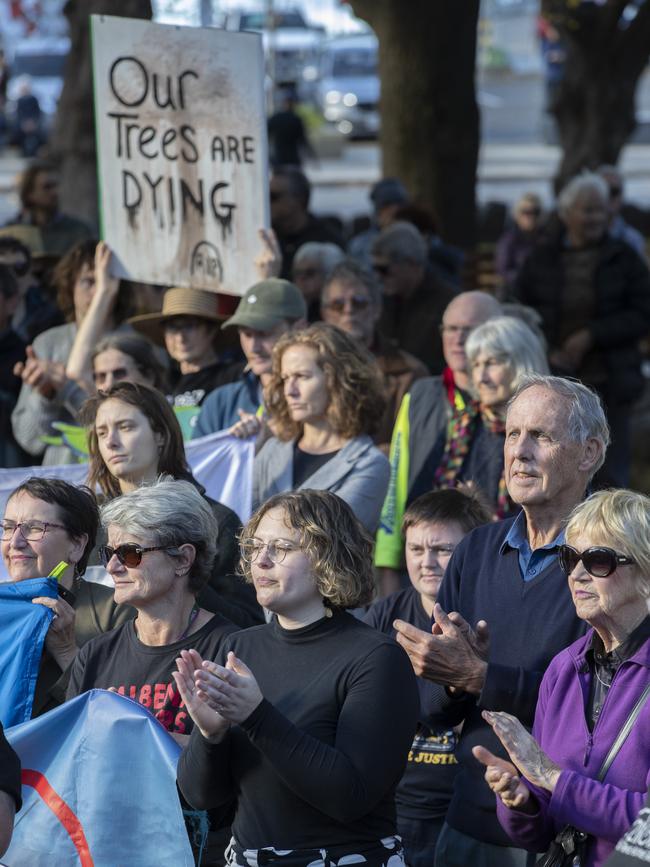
(118,659)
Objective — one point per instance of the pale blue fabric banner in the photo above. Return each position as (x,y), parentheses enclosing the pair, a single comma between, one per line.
(99,788)
(23,627)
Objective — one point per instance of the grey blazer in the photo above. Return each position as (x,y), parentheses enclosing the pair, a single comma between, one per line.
(358,474)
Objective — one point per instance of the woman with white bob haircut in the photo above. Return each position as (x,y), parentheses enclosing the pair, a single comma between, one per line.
(160,551)
(499,353)
(560,781)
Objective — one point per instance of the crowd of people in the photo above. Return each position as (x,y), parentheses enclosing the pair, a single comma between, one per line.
(430,642)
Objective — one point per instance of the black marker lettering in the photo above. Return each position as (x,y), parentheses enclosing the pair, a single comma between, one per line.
(135,69)
(187,132)
(147,134)
(169,136)
(247,142)
(187,195)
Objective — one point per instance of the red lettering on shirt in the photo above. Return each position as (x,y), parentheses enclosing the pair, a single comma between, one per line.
(159,694)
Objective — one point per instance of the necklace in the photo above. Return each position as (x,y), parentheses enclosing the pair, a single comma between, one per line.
(600,680)
(194,613)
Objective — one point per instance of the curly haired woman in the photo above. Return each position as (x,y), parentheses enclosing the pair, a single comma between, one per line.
(324,401)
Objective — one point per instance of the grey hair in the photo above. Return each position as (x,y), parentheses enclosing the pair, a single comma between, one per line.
(325,253)
(401,242)
(510,339)
(527,199)
(587,419)
(351,271)
(607,170)
(170,512)
(586,182)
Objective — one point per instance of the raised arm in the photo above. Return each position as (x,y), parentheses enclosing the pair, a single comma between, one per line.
(97,321)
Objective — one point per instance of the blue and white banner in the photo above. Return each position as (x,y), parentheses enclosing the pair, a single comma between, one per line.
(99,788)
(222,463)
(23,627)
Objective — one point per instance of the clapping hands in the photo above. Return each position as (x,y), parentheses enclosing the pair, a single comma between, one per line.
(216,696)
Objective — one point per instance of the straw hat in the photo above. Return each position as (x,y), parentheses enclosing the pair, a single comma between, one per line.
(180,301)
(30,236)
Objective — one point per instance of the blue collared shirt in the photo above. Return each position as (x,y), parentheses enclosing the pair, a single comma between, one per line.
(531,563)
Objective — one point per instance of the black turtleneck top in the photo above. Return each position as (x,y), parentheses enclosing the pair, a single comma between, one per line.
(317,762)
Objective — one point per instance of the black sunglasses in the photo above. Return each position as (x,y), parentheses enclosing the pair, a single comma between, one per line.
(129,554)
(599,562)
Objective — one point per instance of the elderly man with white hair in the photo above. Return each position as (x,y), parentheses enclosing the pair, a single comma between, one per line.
(510,609)
(593,294)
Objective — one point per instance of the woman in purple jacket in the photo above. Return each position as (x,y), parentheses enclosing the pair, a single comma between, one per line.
(587,693)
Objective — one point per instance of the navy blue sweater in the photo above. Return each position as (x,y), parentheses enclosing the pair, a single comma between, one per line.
(529,623)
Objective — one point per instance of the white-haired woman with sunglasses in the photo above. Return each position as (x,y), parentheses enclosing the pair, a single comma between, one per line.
(159,553)
(587,694)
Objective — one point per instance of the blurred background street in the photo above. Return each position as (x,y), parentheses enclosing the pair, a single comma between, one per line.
(518,150)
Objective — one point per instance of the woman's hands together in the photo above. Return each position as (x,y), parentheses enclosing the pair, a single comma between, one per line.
(216,696)
(526,754)
(502,778)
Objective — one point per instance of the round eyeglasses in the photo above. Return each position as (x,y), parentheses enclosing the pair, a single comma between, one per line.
(276,549)
(598,561)
(31,531)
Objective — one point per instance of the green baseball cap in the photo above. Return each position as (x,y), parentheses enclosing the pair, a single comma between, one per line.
(267,304)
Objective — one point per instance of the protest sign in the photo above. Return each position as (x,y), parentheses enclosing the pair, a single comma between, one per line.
(182,151)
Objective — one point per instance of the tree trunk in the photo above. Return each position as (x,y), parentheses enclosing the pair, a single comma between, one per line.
(594,111)
(72,143)
(594,103)
(429,116)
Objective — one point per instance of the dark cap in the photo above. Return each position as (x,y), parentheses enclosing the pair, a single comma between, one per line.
(267,304)
(388,191)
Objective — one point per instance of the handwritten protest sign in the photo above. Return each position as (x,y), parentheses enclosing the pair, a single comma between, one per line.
(181,142)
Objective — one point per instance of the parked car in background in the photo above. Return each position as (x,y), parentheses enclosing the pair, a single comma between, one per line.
(348,89)
(290,43)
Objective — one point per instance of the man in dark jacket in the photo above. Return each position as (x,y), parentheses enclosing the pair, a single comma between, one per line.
(593,294)
(291,219)
(415,297)
(505,578)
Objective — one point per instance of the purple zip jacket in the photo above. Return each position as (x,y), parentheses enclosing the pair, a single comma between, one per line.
(605,810)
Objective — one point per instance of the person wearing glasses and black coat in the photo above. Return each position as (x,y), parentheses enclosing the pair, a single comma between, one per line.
(309,722)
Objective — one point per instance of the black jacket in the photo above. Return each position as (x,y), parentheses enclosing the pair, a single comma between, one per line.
(622,307)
